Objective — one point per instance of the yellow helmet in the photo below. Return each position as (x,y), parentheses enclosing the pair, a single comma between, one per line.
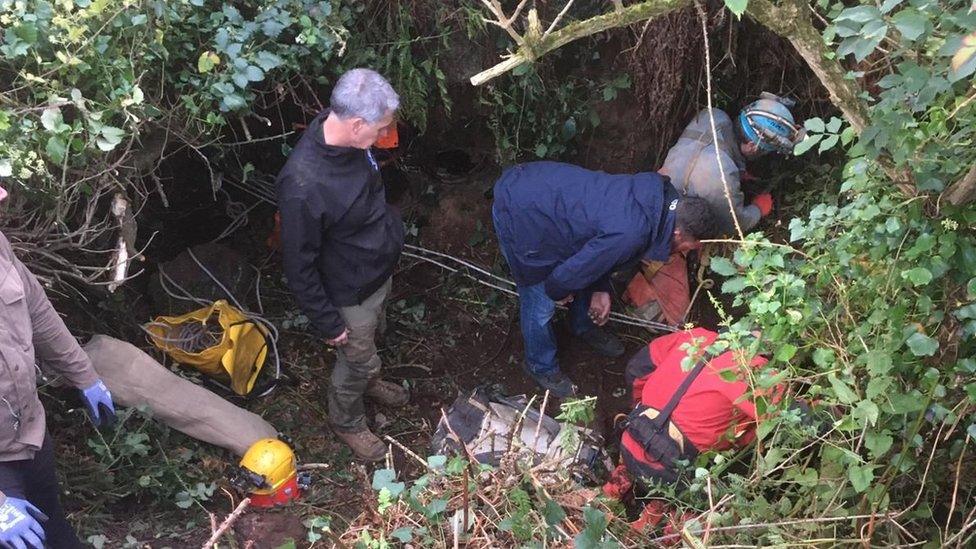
(269,473)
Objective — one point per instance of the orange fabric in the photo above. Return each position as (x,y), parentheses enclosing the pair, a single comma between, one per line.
(764,202)
(274,239)
(669,287)
(389,141)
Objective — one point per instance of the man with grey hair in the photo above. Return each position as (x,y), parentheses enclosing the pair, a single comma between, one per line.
(340,242)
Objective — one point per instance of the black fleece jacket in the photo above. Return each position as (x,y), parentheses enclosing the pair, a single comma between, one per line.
(340,240)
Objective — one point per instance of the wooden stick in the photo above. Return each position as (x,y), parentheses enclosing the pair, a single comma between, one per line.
(228,522)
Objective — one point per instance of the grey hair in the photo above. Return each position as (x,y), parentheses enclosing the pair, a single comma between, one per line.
(364,93)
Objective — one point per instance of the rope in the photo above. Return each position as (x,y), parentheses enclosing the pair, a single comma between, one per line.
(464,265)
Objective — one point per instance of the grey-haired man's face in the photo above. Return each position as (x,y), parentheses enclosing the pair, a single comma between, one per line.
(364,134)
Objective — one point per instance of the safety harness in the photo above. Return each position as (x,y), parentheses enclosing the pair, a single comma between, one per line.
(662,440)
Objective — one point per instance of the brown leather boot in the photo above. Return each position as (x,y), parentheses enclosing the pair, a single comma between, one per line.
(387,393)
(364,444)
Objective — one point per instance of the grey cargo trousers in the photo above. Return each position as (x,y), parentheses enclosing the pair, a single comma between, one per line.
(357,361)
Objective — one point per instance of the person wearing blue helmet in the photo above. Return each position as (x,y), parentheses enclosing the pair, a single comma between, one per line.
(696,164)
(763,126)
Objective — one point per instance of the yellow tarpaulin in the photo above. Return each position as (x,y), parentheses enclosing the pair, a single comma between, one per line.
(237,345)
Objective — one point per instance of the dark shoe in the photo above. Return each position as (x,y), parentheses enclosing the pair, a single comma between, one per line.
(603,342)
(555,382)
(364,444)
(387,393)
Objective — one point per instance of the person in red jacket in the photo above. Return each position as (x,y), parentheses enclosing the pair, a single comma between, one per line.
(680,413)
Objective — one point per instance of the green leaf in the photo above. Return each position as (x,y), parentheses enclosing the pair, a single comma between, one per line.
(824,357)
(878,443)
(910,23)
(808,142)
(267,60)
(592,534)
(827,143)
(877,386)
(834,125)
(254,74)
(919,276)
(553,513)
(922,345)
(403,534)
(207,61)
(971,430)
(815,125)
(109,137)
(738,7)
(436,462)
(51,119)
(436,506)
(879,362)
(385,478)
(785,352)
(861,476)
(541,150)
(723,266)
(734,285)
(56,148)
(842,390)
(866,412)
(860,14)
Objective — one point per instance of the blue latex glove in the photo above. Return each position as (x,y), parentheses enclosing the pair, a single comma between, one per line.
(20,525)
(98,399)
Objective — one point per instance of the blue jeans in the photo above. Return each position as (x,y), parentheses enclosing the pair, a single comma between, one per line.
(536,310)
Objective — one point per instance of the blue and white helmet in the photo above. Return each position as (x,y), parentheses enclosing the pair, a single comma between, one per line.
(769,124)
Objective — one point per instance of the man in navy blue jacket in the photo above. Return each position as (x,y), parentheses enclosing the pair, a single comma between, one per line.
(564,230)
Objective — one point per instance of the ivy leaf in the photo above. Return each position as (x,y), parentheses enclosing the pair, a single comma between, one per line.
(919,276)
(385,478)
(910,23)
(861,476)
(922,345)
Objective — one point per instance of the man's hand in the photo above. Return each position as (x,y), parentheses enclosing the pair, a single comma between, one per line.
(600,308)
(339,340)
(20,525)
(566,300)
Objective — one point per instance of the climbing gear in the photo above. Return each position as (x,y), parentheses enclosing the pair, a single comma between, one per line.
(218,340)
(603,342)
(769,123)
(764,202)
(481,424)
(662,440)
(366,445)
(387,393)
(268,473)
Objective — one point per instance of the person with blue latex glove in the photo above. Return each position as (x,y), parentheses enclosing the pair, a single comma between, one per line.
(20,524)
(33,334)
(98,399)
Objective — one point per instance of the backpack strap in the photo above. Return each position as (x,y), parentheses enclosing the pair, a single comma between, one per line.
(682,389)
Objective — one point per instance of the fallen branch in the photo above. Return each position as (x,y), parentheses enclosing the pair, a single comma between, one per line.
(228,522)
(531,48)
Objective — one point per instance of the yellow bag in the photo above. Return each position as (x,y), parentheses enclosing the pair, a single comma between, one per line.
(218,340)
